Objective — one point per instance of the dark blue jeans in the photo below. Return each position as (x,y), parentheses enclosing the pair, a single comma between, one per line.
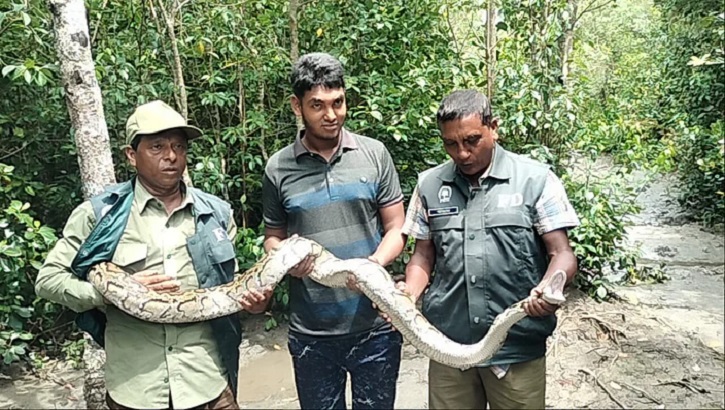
(321,367)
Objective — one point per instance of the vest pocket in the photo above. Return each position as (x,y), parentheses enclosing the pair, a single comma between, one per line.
(508,219)
(514,229)
(222,253)
(444,223)
(130,256)
(512,235)
(447,234)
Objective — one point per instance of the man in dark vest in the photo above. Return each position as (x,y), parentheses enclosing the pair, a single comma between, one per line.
(170,237)
(492,225)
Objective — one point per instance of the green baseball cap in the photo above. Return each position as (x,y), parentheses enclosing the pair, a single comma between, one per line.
(154,117)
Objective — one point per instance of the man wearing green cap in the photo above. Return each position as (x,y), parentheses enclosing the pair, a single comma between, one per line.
(170,237)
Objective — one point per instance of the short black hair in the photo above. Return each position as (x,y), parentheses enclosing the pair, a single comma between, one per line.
(316,69)
(462,103)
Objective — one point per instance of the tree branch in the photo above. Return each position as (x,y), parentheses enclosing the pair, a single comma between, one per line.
(100,20)
(453,34)
(179,5)
(293,31)
(170,19)
(603,387)
(13,152)
(490,49)
(7,26)
(589,9)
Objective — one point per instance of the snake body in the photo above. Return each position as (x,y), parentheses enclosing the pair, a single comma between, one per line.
(121,290)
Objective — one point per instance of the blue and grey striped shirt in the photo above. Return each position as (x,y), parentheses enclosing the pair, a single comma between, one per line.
(336,204)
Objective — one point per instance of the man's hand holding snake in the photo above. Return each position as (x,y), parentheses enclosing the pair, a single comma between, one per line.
(157,282)
(255,301)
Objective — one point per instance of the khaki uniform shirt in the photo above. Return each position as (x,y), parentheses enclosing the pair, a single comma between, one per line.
(147,363)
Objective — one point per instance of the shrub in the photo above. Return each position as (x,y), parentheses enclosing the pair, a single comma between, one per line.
(701,163)
(24,244)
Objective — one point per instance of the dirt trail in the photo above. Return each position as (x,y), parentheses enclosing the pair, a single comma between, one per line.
(660,346)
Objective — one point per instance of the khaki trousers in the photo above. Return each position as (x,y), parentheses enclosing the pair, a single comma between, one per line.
(225,401)
(523,387)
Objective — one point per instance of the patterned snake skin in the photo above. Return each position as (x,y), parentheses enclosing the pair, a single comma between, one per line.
(373,280)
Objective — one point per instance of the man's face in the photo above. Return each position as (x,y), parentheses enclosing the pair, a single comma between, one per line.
(469,143)
(323,111)
(160,159)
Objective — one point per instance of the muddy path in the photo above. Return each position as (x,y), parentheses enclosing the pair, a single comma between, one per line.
(655,346)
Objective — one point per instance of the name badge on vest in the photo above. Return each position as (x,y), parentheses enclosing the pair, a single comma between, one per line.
(444,194)
(220,234)
(451,210)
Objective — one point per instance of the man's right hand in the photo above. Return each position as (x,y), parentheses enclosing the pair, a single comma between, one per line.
(304,268)
(157,282)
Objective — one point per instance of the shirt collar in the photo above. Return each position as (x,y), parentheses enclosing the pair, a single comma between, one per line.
(142,197)
(347,142)
(499,167)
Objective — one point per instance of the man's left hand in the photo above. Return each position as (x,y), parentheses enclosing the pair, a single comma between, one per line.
(255,301)
(535,306)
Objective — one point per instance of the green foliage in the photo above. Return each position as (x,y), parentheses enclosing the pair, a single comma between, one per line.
(72,351)
(603,205)
(534,105)
(657,93)
(696,84)
(634,83)
(692,29)
(34,131)
(24,244)
(623,80)
(633,142)
(395,76)
(702,166)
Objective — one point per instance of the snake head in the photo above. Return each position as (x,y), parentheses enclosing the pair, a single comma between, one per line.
(553,291)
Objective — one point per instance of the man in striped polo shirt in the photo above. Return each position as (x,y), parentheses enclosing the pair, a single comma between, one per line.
(341,190)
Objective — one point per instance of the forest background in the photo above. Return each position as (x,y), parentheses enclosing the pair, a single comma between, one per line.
(640,82)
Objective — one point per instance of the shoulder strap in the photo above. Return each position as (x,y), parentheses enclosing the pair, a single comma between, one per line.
(111,211)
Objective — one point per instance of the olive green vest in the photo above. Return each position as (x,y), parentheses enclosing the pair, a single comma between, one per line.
(488,254)
(214,261)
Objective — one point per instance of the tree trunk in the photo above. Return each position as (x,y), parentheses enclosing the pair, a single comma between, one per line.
(294,52)
(169,16)
(180,95)
(83,97)
(294,37)
(490,49)
(568,44)
(242,120)
(262,141)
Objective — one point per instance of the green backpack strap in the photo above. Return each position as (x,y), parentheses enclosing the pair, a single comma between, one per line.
(102,241)
(100,246)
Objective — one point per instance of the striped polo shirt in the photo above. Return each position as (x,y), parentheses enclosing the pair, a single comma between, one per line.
(336,204)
